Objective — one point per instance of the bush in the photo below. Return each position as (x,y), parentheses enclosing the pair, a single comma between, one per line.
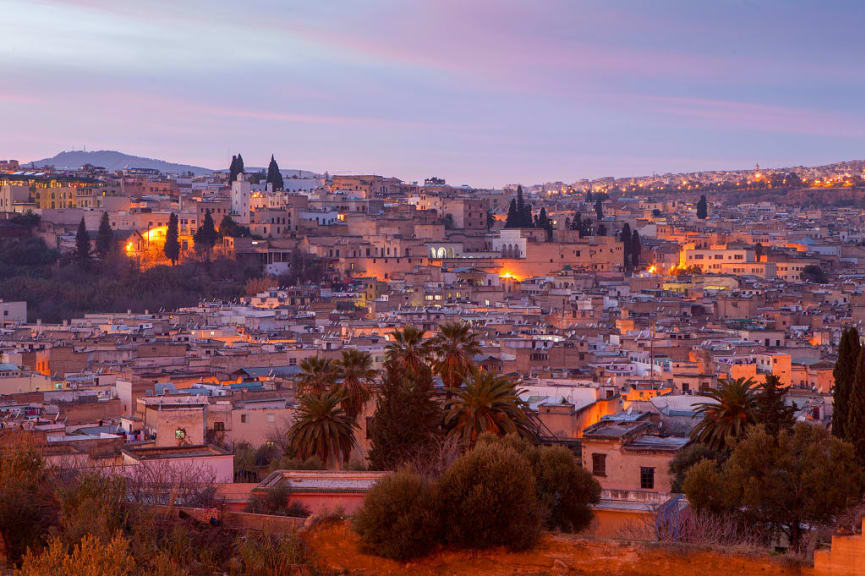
(91,558)
(487,498)
(276,501)
(399,518)
(565,490)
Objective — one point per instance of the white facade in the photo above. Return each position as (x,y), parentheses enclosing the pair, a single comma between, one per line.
(241,197)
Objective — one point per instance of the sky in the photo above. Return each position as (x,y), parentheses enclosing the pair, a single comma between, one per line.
(480,92)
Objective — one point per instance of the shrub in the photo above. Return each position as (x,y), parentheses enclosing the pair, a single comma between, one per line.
(565,490)
(266,555)
(91,558)
(487,498)
(398,518)
(276,501)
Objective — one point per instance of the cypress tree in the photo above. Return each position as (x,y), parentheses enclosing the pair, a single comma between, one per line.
(625,237)
(599,208)
(855,428)
(702,208)
(206,235)
(512,219)
(844,374)
(105,237)
(82,243)
(235,168)
(274,176)
(407,418)
(172,240)
(636,250)
(527,220)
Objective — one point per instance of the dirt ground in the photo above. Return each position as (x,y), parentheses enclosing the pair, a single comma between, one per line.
(337,549)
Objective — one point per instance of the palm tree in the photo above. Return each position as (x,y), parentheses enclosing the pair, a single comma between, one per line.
(726,419)
(408,350)
(317,375)
(355,370)
(488,403)
(453,349)
(322,428)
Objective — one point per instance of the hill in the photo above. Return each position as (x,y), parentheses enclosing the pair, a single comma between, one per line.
(112,160)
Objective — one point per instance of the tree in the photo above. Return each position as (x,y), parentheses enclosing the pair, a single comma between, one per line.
(636,250)
(453,349)
(322,428)
(491,219)
(599,208)
(488,403)
(728,415)
(512,220)
(769,407)
(844,374)
(82,244)
(172,240)
(235,168)
(408,350)
(356,380)
(274,176)
(685,459)
(228,227)
(104,237)
(206,236)
(407,418)
(399,517)
(702,208)
(317,374)
(855,429)
(802,477)
(601,230)
(813,273)
(487,498)
(625,237)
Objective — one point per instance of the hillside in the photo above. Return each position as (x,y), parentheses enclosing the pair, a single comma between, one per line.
(112,160)
(337,549)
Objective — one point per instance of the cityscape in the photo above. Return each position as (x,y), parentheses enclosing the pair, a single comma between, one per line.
(363,338)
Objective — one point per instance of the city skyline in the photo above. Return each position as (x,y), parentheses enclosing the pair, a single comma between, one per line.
(485,94)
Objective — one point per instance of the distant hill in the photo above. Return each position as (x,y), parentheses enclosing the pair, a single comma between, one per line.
(112,160)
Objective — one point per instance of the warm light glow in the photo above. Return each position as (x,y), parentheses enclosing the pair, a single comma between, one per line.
(653,269)
(507,275)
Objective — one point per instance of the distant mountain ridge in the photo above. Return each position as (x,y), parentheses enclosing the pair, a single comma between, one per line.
(112,160)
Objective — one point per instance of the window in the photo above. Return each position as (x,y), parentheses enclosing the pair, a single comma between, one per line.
(243,418)
(647,478)
(219,426)
(599,464)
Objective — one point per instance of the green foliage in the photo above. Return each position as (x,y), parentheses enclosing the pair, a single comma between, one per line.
(266,555)
(487,498)
(27,505)
(172,240)
(276,501)
(636,250)
(519,212)
(626,238)
(356,380)
(727,416)
(844,373)
(702,208)
(228,227)
(564,490)
(92,557)
(813,273)
(599,208)
(274,176)
(687,457)
(104,237)
(453,349)
(82,244)
(116,285)
(399,518)
(317,374)
(235,168)
(488,403)
(322,428)
(855,429)
(769,407)
(407,418)
(803,476)
(206,236)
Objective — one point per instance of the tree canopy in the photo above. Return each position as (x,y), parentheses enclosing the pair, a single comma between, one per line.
(274,176)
